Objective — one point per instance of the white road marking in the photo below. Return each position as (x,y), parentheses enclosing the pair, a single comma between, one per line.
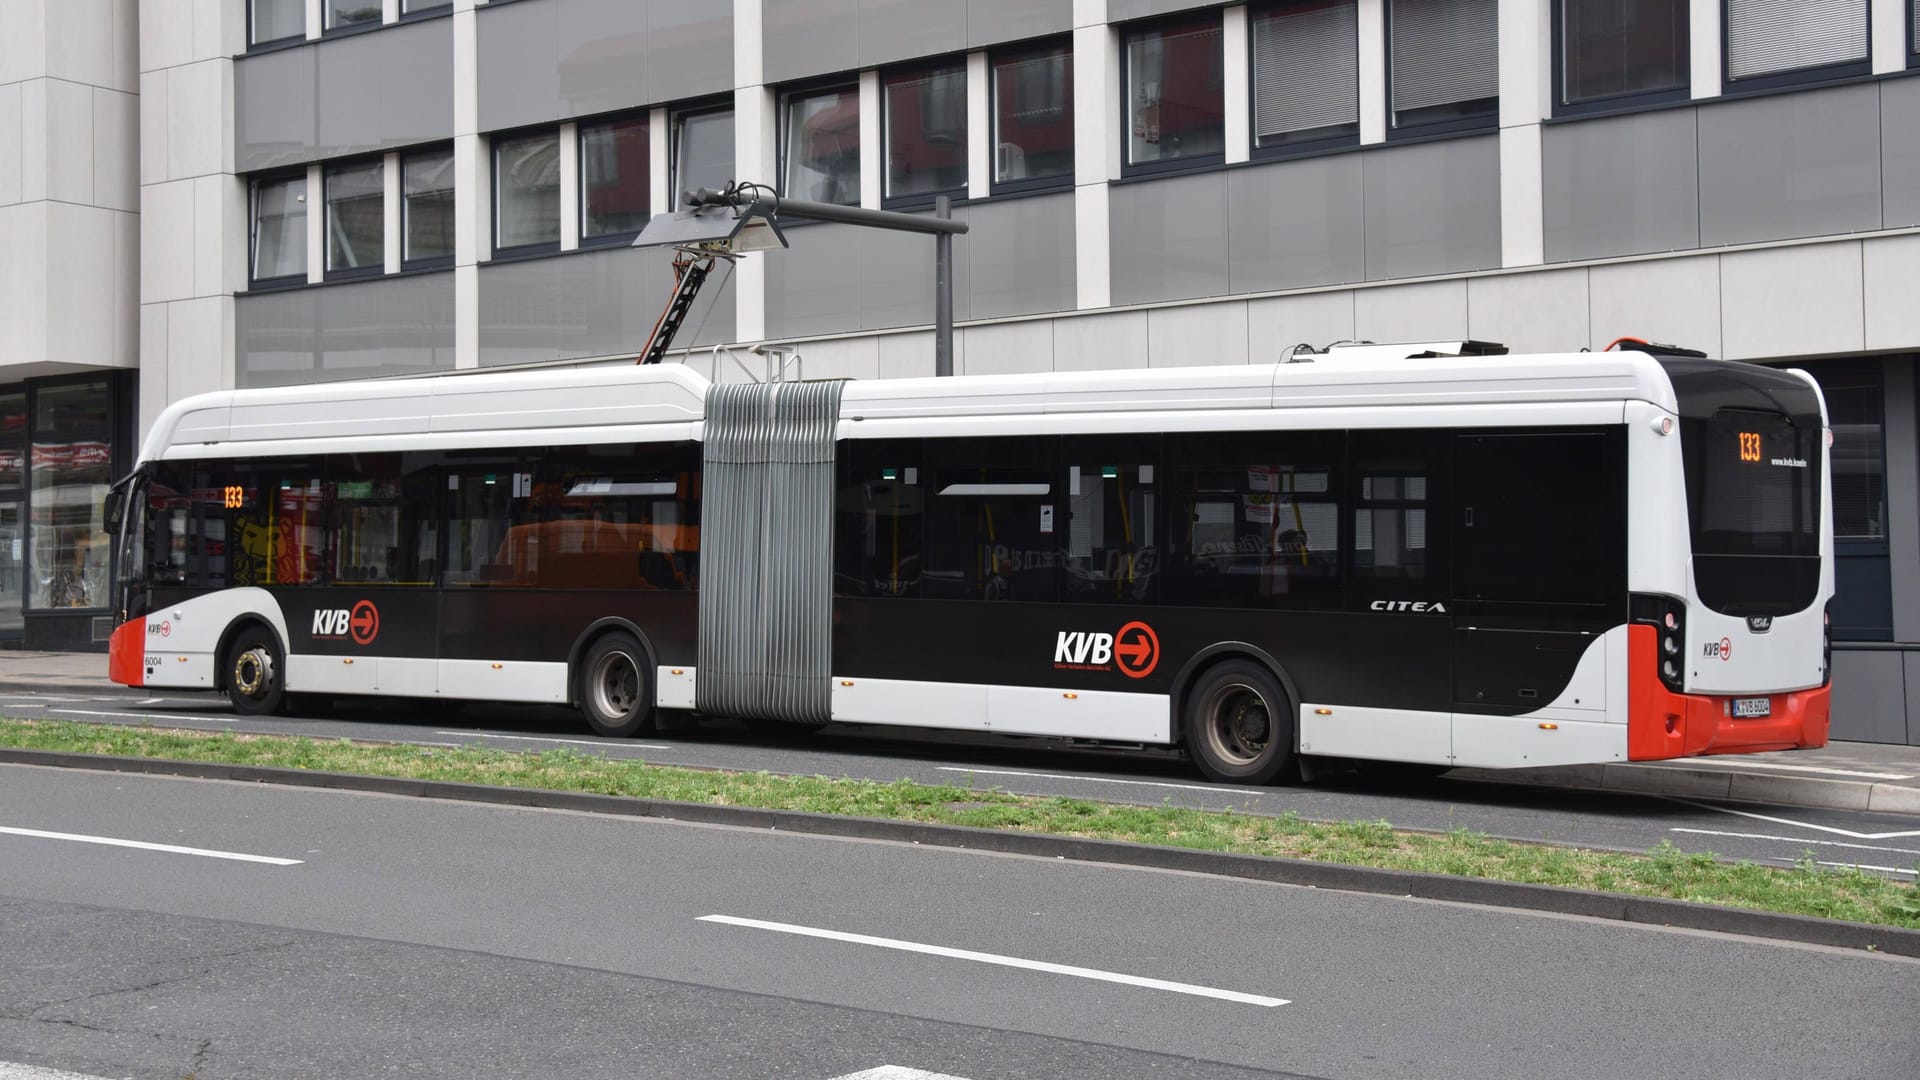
(882,1073)
(1216,789)
(1836,830)
(1002,961)
(142,845)
(24,705)
(13,1071)
(150,701)
(569,742)
(1800,840)
(151,715)
(1856,866)
(1742,763)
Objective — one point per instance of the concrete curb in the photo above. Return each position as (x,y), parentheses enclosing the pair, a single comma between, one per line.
(1547,898)
(1720,784)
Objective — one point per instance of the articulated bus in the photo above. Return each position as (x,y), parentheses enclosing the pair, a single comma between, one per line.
(1431,554)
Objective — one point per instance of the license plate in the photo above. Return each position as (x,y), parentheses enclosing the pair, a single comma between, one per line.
(1747,707)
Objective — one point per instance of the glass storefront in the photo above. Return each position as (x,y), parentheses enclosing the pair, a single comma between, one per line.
(70,561)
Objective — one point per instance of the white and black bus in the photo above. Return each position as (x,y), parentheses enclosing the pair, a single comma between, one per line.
(1430,554)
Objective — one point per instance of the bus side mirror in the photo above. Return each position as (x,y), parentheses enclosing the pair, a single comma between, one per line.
(115,508)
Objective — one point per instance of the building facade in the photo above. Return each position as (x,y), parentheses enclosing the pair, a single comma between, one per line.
(337,189)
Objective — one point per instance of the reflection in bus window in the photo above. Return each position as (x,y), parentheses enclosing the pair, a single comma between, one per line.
(878,516)
(1112,505)
(1390,522)
(385,526)
(484,506)
(611,518)
(1258,521)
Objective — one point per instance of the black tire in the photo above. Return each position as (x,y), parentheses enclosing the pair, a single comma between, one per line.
(255,672)
(1239,725)
(616,687)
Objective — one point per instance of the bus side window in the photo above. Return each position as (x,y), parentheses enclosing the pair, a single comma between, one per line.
(993,519)
(1112,526)
(1255,520)
(1399,523)
(879,516)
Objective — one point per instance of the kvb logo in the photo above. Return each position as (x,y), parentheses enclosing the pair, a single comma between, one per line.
(1135,650)
(361,623)
(160,629)
(1718,650)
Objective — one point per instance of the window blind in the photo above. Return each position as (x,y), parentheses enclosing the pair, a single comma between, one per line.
(1444,52)
(1765,37)
(1306,68)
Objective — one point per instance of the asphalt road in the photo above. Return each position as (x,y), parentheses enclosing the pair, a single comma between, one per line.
(389,936)
(1883,843)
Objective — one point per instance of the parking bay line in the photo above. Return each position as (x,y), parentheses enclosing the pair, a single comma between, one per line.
(142,845)
(1796,840)
(1002,961)
(569,742)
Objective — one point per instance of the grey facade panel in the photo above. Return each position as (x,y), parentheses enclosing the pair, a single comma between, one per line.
(1122,10)
(1790,165)
(1295,224)
(804,38)
(990,22)
(1169,238)
(274,109)
(1624,185)
(1020,256)
(814,286)
(547,60)
(1900,152)
(590,304)
(895,30)
(1432,208)
(1870,696)
(389,326)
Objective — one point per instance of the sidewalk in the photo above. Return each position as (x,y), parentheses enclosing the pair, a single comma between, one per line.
(1843,776)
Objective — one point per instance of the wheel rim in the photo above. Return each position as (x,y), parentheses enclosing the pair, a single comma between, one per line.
(253,672)
(616,686)
(1237,724)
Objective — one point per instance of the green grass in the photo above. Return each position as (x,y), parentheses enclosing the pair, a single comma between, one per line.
(1665,871)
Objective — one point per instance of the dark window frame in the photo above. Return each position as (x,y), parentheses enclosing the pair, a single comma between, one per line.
(1057,182)
(494,139)
(1198,162)
(922,200)
(436,262)
(676,114)
(1304,147)
(622,237)
(281,42)
(352,273)
(279,281)
(1797,77)
(784,95)
(433,10)
(1487,121)
(1629,101)
(328,32)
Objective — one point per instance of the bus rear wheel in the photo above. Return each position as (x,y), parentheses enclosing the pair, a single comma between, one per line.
(616,692)
(255,673)
(1240,725)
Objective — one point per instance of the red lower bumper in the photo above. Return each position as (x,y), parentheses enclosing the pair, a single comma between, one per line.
(1663,724)
(127,653)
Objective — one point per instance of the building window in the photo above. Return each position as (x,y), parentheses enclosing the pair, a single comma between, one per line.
(280,228)
(1176,108)
(702,151)
(925,114)
(1612,49)
(1033,116)
(1306,73)
(820,152)
(72,462)
(275,20)
(357,218)
(526,191)
(1776,37)
(410,7)
(616,177)
(426,208)
(1445,62)
(13,476)
(344,13)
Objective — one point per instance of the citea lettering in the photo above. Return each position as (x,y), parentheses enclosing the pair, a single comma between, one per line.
(1421,607)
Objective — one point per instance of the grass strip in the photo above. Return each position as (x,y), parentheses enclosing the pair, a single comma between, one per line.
(1664,871)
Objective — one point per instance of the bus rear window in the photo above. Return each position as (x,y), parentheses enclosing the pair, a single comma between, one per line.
(1758,485)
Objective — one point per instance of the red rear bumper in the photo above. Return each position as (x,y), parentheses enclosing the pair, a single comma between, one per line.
(1663,724)
(127,653)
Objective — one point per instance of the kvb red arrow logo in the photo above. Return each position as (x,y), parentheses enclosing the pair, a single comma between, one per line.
(365,623)
(1136,650)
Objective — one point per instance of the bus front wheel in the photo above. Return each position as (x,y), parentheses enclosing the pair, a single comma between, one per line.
(616,691)
(256,673)
(1240,725)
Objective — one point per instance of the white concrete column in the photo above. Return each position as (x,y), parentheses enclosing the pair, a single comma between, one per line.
(569,187)
(1371,16)
(389,11)
(472,232)
(873,155)
(659,162)
(980,148)
(316,225)
(749,48)
(1704,28)
(755,129)
(390,173)
(1889,35)
(1097,124)
(1525,99)
(1089,12)
(316,18)
(1236,80)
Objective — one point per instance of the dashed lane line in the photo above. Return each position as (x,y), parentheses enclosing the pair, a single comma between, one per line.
(885,1072)
(151,715)
(1835,829)
(1768,766)
(570,742)
(1798,840)
(1001,961)
(142,845)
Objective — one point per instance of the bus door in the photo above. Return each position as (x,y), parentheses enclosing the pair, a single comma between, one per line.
(1539,570)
